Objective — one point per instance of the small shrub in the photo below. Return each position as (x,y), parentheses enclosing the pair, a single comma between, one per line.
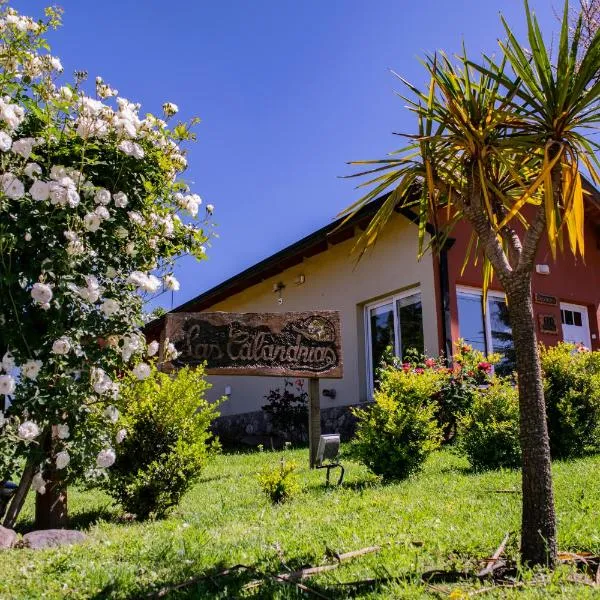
(288,410)
(167,441)
(279,483)
(396,434)
(489,433)
(572,392)
(470,370)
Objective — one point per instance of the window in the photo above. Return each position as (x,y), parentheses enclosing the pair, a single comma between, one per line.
(397,322)
(489,332)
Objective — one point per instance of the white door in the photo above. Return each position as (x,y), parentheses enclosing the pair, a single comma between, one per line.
(575,324)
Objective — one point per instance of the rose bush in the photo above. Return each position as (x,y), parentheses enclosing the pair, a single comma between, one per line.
(93,213)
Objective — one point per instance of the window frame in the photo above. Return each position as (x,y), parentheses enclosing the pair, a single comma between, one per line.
(391,299)
(474,291)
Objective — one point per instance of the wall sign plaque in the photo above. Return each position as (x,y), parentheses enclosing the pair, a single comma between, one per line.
(548,324)
(294,344)
(545,299)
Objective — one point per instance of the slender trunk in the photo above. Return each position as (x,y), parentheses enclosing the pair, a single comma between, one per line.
(51,507)
(16,504)
(538,530)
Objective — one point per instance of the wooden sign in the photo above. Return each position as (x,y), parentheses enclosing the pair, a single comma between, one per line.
(548,324)
(545,299)
(294,344)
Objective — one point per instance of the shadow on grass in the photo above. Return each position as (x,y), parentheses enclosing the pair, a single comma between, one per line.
(248,582)
(81,520)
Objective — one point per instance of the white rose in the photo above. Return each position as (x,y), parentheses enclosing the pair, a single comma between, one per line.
(100,381)
(170,109)
(121,435)
(62,459)
(106,458)
(8,362)
(5,141)
(141,371)
(40,190)
(172,283)
(31,369)
(41,293)
(38,483)
(62,431)
(28,430)
(11,186)
(7,385)
(171,352)
(135,217)
(121,233)
(23,147)
(111,413)
(152,348)
(130,249)
(120,200)
(102,196)
(102,212)
(111,272)
(110,307)
(131,149)
(91,221)
(61,346)
(32,169)
(210,209)
(65,93)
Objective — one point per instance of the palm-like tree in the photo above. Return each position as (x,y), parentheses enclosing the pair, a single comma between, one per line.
(501,145)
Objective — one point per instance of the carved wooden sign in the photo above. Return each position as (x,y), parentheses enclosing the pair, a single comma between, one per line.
(294,344)
(545,299)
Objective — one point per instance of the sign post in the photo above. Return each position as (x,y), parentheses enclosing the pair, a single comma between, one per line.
(294,344)
(314,420)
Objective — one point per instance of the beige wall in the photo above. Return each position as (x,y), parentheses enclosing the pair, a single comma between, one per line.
(334,282)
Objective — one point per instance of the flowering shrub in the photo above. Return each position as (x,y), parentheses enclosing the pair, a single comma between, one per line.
(279,483)
(92,216)
(162,440)
(572,393)
(396,434)
(470,370)
(488,434)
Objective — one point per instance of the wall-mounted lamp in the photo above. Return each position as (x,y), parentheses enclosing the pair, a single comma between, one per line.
(542,269)
(277,289)
(300,279)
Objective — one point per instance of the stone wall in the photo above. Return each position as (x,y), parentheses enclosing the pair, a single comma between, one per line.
(253,428)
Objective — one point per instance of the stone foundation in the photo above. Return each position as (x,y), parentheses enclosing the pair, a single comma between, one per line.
(253,428)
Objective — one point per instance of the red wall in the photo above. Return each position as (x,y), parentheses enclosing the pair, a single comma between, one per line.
(570,280)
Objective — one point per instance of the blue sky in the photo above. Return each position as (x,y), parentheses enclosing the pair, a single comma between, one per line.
(287,91)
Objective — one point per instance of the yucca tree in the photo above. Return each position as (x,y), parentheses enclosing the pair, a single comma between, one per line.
(501,144)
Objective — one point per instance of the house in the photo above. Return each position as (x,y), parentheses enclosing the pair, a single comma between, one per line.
(391,298)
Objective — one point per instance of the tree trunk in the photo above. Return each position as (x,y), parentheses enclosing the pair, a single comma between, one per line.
(16,504)
(51,507)
(538,529)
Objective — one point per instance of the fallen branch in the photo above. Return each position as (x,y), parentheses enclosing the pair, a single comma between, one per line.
(491,562)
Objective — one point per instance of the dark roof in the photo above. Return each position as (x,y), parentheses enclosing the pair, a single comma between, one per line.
(292,255)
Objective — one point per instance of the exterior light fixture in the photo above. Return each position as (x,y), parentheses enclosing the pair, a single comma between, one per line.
(542,269)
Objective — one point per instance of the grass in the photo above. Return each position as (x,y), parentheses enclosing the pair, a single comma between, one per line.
(444,517)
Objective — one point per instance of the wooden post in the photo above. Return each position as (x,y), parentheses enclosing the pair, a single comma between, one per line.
(314,420)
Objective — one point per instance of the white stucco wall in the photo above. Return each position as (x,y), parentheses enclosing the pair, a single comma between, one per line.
(334,282)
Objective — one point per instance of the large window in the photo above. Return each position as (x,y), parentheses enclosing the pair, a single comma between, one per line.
(487,331)
(397,322)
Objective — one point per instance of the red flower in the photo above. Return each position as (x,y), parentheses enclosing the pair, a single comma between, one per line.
(419,371)
(485,366)
(406,366)
(430,362)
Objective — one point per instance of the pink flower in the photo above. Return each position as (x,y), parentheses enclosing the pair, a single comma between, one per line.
(430,362)
(485,366)
(419,371)
(406,367)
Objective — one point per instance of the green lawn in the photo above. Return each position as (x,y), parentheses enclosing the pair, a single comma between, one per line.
(445,517)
